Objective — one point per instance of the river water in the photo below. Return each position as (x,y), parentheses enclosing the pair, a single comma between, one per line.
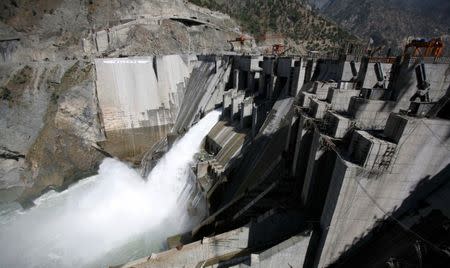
(110,218)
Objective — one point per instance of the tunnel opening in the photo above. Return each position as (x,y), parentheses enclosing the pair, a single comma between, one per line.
(188,22)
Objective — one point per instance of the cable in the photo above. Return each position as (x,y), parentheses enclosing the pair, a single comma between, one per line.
(398,221)
(406,228)
(434,134)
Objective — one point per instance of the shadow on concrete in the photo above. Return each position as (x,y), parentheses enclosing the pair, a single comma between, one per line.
(255,181)
(281,225)
(404,77)
(421,239)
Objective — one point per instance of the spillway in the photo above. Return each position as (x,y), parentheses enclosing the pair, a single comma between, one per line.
(110,218)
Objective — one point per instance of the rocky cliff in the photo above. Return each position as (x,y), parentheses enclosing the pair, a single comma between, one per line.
(64,29)
(49,126)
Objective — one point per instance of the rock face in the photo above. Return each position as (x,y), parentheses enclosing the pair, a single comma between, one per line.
(50,127)
(65,29)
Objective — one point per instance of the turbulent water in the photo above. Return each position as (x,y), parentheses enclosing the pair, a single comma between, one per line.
(109,218)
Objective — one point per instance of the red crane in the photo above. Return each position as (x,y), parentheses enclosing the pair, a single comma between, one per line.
(425,48)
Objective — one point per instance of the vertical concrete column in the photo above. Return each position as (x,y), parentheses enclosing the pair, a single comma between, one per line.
(315,67)
(237,100)
(308,70)
(362,72)
(227,101)
(250,82)
(300,133)
(301,75)
(296,83)
(246,112)
(242,83)
(261,83)
(270,84)
(354,70)
(310,160)
(235,78)
(284,73)
(254,120)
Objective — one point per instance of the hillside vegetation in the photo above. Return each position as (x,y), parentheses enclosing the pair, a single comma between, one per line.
(293,19)
(388,22)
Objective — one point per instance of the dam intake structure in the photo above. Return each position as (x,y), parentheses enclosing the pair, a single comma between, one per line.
(112,217)
(315,159)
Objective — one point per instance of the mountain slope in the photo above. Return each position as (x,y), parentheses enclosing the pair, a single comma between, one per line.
(388,22)
(294,19)
(61,29)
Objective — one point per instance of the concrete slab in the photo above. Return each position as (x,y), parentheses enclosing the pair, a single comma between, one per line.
(337,125)
(318,108)
(340,98)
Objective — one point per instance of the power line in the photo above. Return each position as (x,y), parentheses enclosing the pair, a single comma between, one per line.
(406,228)
(434,134)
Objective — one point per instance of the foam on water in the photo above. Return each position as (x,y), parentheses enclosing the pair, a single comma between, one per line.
(109,218)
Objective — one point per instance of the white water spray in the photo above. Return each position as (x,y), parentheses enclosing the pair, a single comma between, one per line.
(106,219)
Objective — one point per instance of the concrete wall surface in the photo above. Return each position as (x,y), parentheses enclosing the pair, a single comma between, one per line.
(140,92)
(360,196)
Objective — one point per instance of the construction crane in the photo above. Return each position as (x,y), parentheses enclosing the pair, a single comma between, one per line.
(278,49)
(425,48)
(273,43)
(241,39)
(238,43)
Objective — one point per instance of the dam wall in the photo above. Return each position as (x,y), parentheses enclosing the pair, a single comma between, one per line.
(204,91)
(339,156)
(383,177)
(139,99)
(140,92)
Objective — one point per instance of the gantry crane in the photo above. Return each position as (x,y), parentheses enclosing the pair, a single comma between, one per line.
(425,48)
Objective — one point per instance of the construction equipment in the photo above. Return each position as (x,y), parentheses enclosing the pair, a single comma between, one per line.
(273,43)
(278,49)
(242,38)
(239,43)
(425,48)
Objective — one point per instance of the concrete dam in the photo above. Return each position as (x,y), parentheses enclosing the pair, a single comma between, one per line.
(253,161)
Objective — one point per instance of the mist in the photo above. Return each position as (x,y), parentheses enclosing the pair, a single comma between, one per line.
(110,218)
